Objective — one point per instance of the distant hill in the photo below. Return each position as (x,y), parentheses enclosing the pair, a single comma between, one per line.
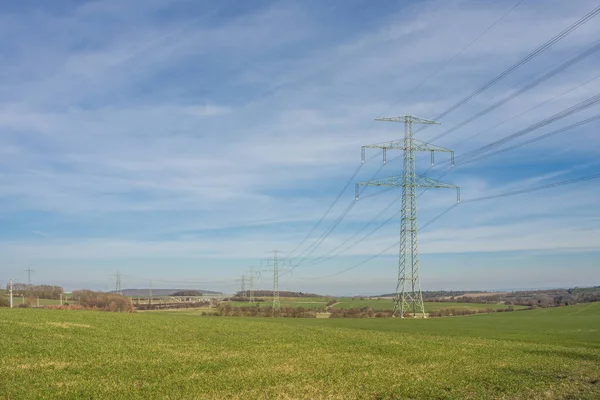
(162,292)
(438,293)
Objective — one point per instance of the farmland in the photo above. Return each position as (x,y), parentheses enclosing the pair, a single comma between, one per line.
(381,304)
(550,353)
(388,304)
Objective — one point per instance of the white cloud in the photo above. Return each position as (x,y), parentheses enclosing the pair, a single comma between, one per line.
(256,121)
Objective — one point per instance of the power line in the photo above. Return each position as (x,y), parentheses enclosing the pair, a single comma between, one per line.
(478,199)
(326,234)
(514,67)
(328,256)
(381,225)
(325,258)
(583,105)
(574,60)
(455,56)
(328,210)
(484,156)
(386,249)
(520,63)
(536,139)
(311,248)
(526,111)
(534,189)
(500,124)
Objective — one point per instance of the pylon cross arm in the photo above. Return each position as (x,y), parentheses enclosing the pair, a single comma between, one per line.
(407,118)
(421,181)
(418,145)
(400,145)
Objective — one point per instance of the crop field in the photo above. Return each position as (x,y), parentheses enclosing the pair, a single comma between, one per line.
(388,304)
(319,303)
(43,302)
(551,353)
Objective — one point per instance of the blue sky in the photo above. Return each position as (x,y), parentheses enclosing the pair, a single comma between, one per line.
(181,140)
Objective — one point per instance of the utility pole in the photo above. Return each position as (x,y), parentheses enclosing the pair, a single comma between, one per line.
(10,292)
(409,297)
(29,271)
(150,293)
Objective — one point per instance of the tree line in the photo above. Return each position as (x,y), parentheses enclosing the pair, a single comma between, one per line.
(42,291)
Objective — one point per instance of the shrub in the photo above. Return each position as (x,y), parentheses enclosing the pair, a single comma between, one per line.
(103,301)
(253,311)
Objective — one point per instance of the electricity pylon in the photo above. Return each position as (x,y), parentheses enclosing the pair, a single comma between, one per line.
(276,262)
(243,288)
(29,271)
(409,297)
(118,283)
(251,285)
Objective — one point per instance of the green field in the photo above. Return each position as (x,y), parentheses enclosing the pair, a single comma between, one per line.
(43,302)
(388,304)
(382,304)
(549,353)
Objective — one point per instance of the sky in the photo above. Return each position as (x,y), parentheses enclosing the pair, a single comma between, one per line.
(179,141)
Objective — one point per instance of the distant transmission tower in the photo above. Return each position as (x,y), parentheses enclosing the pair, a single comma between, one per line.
(276,303)
(118,283)
(251,285)
(276,262)
(243,288)
(408,296)
(29,271)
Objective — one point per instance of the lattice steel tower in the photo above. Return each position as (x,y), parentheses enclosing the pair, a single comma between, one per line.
(243,287)
(408,298)
(251,301)
(276,262)
(29,271)
(118,283)
(276,303)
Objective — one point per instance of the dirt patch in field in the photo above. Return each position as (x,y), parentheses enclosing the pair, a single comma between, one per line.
(67,325)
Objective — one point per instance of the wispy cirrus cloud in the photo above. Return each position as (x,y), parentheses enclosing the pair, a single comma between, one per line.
(149,131)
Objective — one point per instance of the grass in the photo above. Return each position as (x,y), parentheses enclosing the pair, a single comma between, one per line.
(319,303)
(538,354)
(43,302)
(388,304)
